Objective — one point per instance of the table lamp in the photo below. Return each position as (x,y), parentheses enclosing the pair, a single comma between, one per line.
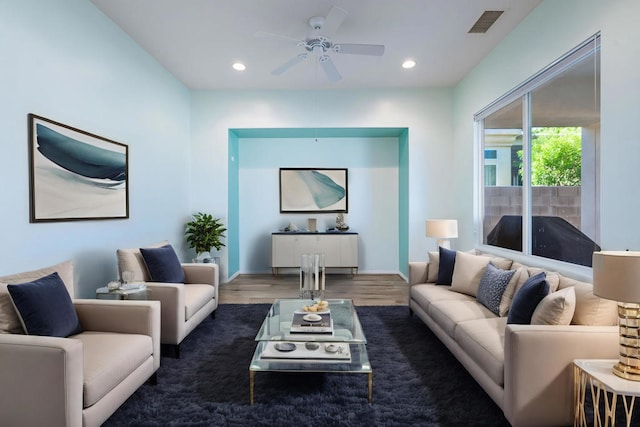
(443,230)
(616,276)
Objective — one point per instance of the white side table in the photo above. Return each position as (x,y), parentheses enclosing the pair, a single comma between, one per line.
(595,376)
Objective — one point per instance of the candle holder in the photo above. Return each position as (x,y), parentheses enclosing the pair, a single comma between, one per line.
(312,272)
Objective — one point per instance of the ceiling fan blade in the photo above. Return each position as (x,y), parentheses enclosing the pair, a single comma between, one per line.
(273,36)
(359,49)
(293,61)
(329,68)
(333,21)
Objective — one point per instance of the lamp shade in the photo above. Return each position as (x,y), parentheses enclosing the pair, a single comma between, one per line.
(442,228)
(616,275)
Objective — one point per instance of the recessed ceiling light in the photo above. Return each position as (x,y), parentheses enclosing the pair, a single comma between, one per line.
(409,63)
(239,66)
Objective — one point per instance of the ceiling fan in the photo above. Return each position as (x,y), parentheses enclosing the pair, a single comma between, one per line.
(319,43)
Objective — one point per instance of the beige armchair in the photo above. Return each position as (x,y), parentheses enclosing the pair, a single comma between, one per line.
(183,305)
(80,380)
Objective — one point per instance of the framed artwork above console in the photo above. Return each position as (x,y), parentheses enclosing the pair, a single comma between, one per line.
(314,190)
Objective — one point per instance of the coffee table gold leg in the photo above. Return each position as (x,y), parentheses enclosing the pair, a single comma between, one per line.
(251,373)
(370,386)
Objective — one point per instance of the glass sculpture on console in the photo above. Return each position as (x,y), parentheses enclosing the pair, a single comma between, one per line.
(312,276)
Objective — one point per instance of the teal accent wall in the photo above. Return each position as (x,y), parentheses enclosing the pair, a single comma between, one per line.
(233,220)
(373,164)
(365,132)
(403,202)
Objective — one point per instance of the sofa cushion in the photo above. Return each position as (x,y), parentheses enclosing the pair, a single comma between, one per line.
(9,321)
(109,358)
(467,273)
(446,266)
(590,309)
(44,307)
(557,308)
(517,280)
(483,341)
(163,264)
(492,285)
(433,267)
(131,260)
(425,294)
(196,297)
(527,299)
(448,313)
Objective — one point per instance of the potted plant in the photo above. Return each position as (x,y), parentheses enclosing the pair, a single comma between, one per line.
(202,233)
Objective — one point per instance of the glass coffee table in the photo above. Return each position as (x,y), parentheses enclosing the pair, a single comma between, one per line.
(281,350)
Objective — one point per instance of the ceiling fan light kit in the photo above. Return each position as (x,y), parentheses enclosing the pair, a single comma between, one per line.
(319,42)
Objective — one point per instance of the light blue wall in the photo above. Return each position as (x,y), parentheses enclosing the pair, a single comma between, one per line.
(64,60)
(372,164)
(552,29)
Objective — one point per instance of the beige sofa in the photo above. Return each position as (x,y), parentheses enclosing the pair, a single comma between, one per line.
(80,380)
(183,305)
(525,369)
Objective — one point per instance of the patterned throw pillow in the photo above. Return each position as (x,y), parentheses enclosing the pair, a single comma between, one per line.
(492,285)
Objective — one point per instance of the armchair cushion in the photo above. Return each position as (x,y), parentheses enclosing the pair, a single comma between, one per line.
(44,307)
(163,264)
(109,358)
(196,297)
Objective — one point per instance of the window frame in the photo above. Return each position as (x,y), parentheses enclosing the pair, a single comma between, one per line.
(523,92)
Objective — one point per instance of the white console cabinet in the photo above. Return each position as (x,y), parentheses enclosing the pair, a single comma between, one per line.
(340,249)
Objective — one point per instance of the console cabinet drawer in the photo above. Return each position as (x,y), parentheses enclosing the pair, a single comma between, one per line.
(340,250)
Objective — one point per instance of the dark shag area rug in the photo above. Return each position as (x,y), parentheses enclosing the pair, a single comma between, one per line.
(416,381)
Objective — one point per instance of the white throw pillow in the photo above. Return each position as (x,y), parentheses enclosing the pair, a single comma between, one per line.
(432,269)
(467,272)
(517,280)
(557,308)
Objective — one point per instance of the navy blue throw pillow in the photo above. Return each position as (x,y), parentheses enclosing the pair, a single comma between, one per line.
(45,308)
(527,299)
(445,269)
(163,264)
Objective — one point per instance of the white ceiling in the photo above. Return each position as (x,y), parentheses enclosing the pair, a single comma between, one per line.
(199,40)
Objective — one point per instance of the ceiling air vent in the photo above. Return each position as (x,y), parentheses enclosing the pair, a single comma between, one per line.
(488,18)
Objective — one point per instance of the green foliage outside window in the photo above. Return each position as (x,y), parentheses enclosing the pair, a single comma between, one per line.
(556,156)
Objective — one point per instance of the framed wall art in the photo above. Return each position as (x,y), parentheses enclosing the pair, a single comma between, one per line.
(75,175)
(305,190)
